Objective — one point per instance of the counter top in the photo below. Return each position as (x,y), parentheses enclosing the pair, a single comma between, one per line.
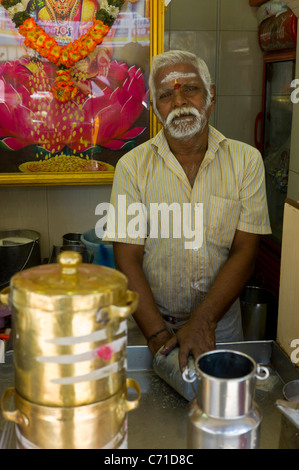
(160,421)
(162,413)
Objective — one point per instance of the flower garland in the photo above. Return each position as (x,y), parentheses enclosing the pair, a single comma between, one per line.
(64,56)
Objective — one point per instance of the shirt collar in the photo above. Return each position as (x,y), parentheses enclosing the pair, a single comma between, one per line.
(215,139)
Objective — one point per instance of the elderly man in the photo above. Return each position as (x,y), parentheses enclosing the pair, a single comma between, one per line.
(189,292)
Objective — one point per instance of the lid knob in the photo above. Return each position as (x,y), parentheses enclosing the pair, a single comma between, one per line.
(69,261)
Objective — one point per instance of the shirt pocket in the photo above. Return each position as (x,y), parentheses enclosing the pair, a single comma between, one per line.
(221,218)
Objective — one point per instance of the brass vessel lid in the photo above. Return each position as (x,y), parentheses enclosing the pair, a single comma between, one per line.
(68,284)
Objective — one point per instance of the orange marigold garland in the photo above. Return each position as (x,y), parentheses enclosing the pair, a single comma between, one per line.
(64,56)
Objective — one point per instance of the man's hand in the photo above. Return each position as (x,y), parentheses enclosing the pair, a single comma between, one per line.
(195,337)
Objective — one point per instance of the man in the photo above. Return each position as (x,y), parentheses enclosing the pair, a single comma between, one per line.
(189,293)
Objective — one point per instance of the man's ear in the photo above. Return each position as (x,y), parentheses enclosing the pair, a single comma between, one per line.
(213,94)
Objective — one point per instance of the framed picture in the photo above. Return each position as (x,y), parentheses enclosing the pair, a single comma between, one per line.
(74,137)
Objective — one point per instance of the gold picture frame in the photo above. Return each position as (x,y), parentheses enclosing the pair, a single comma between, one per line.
(157,10)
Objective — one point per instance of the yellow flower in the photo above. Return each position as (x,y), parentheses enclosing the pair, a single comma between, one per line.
(90,43)
(27,25)
(54,54)
(41,39)
(49,43)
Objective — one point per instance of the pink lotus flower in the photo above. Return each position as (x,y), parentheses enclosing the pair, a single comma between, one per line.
(102,114)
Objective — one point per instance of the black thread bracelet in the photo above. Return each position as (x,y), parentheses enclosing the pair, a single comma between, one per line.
(155,334)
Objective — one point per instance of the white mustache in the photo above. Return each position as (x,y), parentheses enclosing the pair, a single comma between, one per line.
(183,111)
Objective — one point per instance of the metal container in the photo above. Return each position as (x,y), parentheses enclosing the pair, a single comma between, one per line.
(19,250)
(70,332)
(73,238)
(168,369)
(289,431)
(86,254)
(259,314)
(291,391)
(95,426)
(224,415)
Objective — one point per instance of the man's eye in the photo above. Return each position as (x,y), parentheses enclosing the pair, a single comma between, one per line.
(165,95)
(190,89)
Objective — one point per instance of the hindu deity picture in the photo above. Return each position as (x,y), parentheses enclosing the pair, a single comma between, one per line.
(73,83)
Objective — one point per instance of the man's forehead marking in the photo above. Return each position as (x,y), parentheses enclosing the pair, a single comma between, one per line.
(176,84)
(177,75)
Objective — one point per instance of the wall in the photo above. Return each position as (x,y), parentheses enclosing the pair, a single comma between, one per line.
(52,211)
(224,33)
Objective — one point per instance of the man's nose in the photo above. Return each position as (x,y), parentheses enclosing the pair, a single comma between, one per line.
(178,97)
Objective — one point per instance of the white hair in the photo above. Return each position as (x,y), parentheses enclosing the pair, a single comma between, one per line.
(178,57)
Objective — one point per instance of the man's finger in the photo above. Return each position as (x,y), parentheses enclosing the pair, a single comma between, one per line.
(169,345)
(183,358)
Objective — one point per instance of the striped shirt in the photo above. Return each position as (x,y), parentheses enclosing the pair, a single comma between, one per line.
(187,245)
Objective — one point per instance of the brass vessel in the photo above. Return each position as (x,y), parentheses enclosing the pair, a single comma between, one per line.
(69,340)
(95,426)
(70,331)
